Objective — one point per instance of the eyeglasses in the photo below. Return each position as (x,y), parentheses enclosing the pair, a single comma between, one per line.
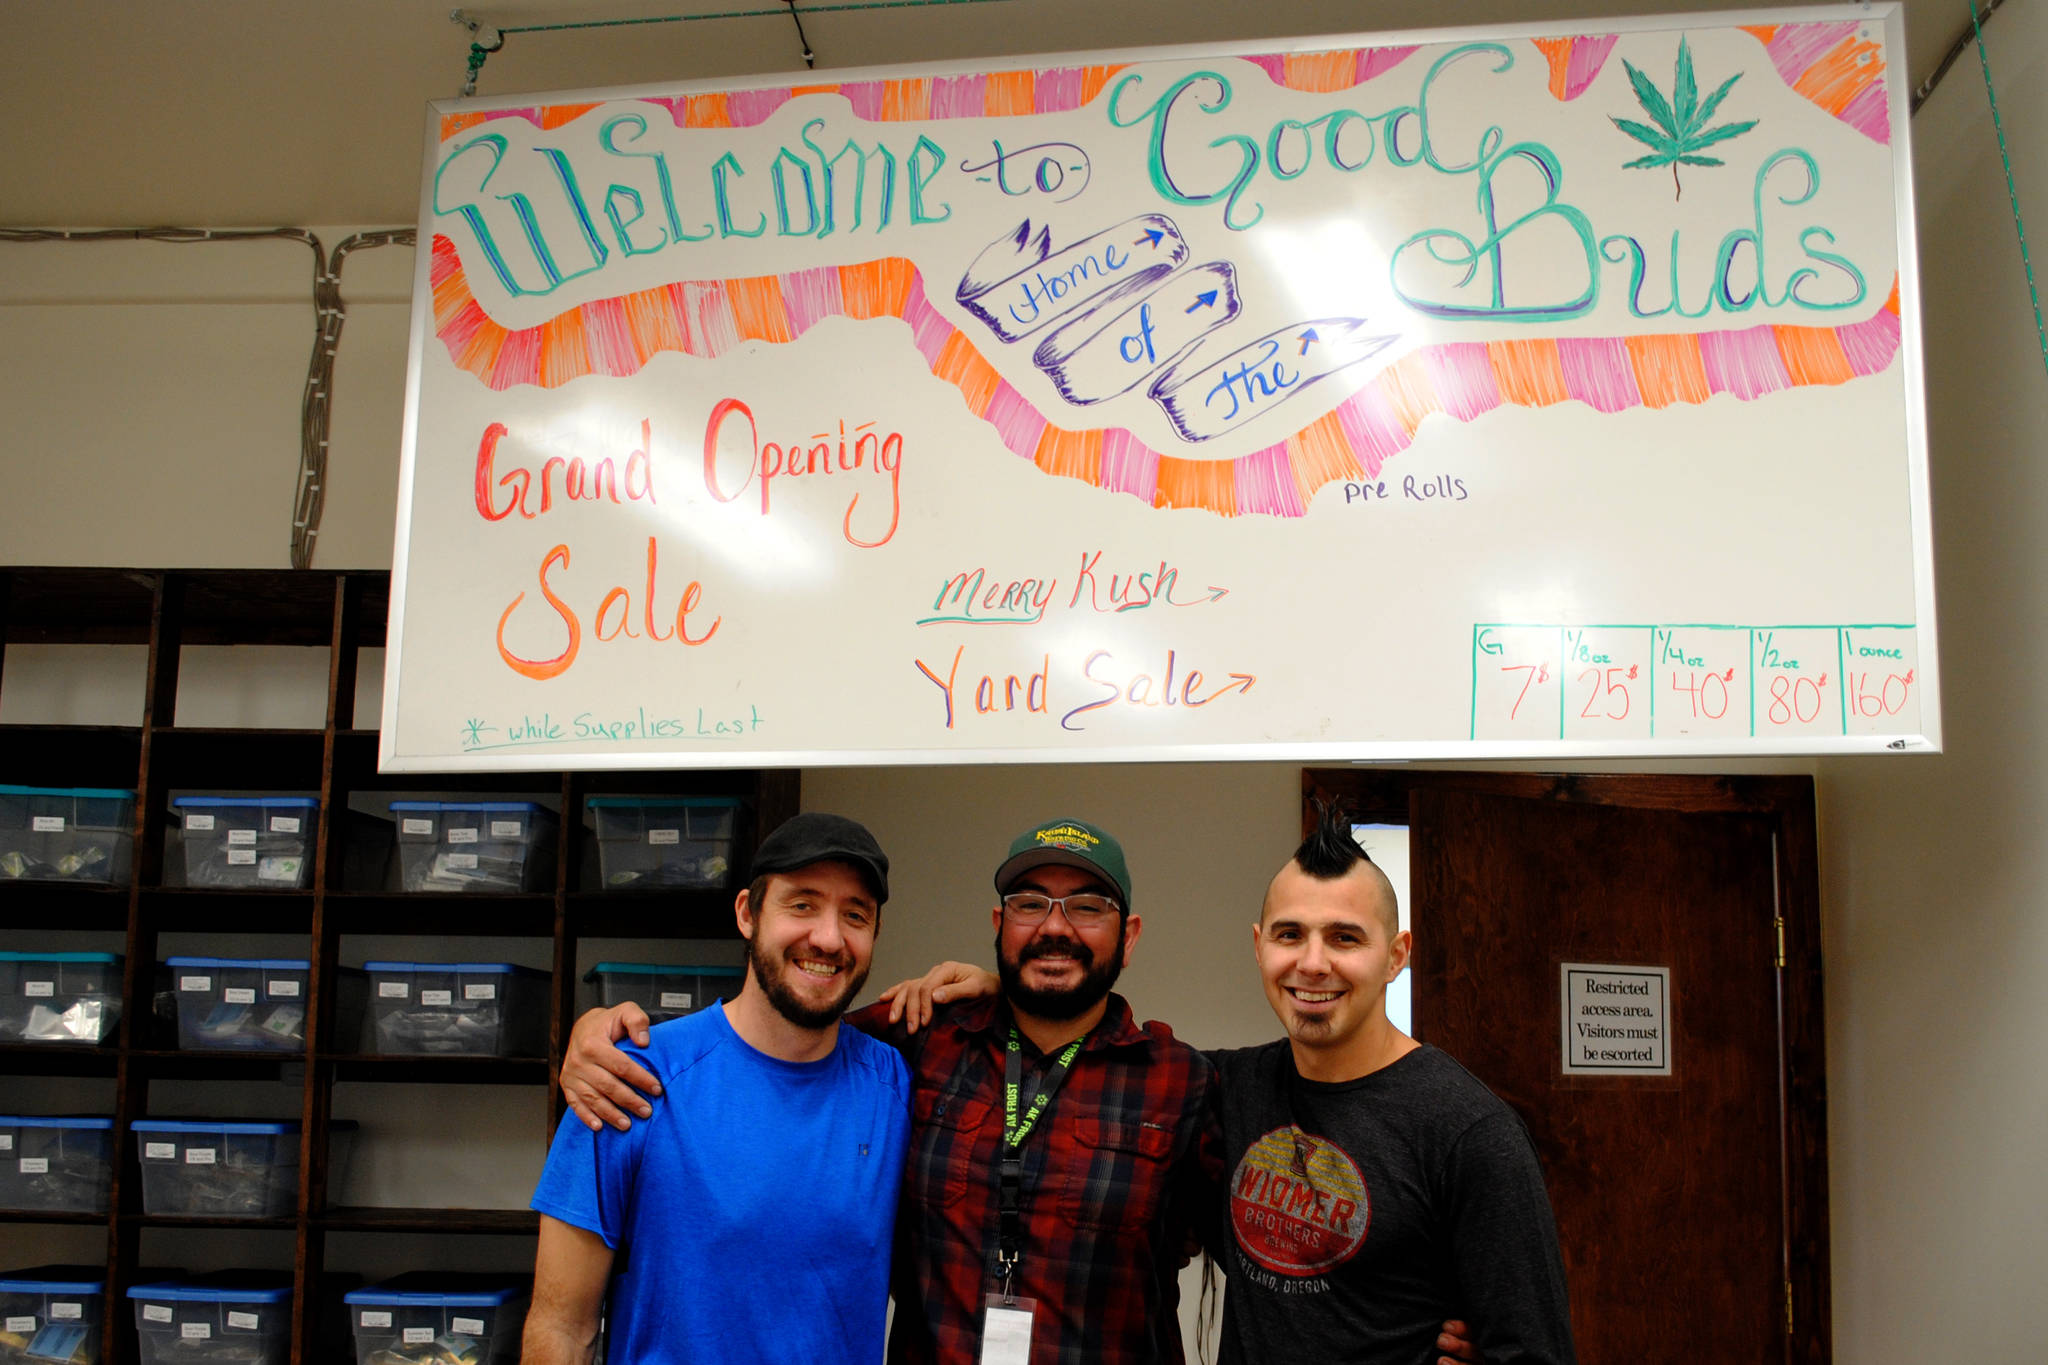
(1084,910)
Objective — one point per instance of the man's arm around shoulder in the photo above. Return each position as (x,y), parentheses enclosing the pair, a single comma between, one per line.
(569,1278)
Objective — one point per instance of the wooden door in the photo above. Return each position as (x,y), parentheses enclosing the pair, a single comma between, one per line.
(1691,1206)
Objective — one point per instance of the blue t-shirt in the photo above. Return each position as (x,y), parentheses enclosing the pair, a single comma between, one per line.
(752,1214)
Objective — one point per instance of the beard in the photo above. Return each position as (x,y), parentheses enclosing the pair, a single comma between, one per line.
(1065,1002)
(774,976)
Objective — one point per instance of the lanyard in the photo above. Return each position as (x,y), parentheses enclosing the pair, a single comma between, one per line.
(1010,1167)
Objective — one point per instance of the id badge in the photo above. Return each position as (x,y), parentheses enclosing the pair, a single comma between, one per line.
(1006,1330)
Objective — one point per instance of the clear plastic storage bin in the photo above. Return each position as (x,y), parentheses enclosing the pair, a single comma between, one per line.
(432,1318)
(225,1168)
(59,997)
(248,841)
(472,845)
(50,1315)
(230,1317)
(664,841)
(66,834)
(254,1004)
(56,1165)
(664,992)
(483,1008)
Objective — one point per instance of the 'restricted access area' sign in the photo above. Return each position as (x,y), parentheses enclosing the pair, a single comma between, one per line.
(1545,391)
(1617,1020)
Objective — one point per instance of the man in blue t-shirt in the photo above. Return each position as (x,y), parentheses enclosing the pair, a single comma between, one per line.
(778,1150)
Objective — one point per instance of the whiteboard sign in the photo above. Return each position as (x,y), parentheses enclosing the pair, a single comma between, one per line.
(1617,1020)
(1533,391)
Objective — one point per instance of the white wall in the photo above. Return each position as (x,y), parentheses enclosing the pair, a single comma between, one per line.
(151,395)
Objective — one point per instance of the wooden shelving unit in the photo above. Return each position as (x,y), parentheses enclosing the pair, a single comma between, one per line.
(170,611)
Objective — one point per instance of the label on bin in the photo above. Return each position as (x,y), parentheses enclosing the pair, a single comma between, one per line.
(195,983)
(199,822)
(466,1327)
(664,836)
(195,1331)
(393,990)
(375,1317)
(460,862)
(21,1324)
(413,824)
(437,997)
(418,1336)
(41,990)
(159,1151)
(247,1322)
(156,1312)
(6,1142)
(67,1312)
(200,1156)
(282,990)
(35,1165)
(46,824)
(241,857)
(461,836)
(480,990)
(239,995)
(675,1000)
(506,829)
(241,838)
(284,824)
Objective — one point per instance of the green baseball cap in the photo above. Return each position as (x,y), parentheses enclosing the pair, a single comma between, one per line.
(1067,843)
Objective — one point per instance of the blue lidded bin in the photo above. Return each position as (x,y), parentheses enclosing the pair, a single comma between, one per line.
(67,834)
(59,997)
(51,1314)
(238,1316)
(491,846)
(249,842)
(427,1317)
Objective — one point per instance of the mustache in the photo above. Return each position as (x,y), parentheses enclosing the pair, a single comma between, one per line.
(1058,947)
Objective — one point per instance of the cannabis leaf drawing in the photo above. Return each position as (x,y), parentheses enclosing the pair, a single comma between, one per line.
(1681,133)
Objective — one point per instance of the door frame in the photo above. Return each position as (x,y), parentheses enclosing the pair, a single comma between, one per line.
(1786,804)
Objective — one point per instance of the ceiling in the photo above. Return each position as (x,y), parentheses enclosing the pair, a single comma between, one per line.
(232,113)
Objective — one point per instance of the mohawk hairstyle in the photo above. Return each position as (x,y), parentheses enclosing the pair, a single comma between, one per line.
(1330,852)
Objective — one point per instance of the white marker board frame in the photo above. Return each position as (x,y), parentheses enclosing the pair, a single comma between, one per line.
(1375,670)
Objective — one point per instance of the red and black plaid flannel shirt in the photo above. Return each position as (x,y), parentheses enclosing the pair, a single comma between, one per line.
(1119,1176)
